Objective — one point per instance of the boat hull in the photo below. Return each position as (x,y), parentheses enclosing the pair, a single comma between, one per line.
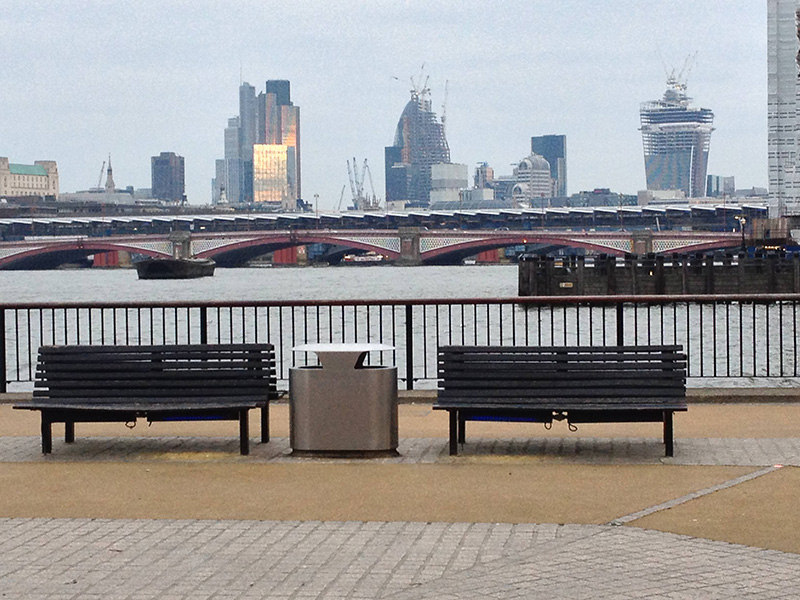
(175,268)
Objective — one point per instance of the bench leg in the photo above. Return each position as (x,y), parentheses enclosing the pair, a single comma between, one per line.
(47,435)
(69,432)
(265,424)
(244,432)
(462,429)
(453,432)
(668,433)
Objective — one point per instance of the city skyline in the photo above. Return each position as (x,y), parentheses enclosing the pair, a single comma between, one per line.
(82,87)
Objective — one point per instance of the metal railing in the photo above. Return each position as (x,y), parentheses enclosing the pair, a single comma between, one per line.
(751,336)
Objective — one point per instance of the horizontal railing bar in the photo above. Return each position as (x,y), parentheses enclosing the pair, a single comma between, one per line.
(533,300)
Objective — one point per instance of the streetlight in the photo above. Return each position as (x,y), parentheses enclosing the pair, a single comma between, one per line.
(742,221)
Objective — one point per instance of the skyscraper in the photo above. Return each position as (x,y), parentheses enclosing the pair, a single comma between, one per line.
(554,149)
(234,167)
(247,138)
(167,176)
(419,142)
(252,171)
(782,106)
(277,167)
(676,137)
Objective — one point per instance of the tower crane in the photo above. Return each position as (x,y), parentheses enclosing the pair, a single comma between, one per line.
(361,200)
(444,105)
(352,181)
(99,185)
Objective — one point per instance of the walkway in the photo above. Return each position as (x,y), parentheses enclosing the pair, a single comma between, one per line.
(150,513)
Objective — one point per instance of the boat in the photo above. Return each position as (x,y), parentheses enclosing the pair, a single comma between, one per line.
(368,258)
(175,268)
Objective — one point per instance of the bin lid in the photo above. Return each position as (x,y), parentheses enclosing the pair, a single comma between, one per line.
(341,355)
(343,347)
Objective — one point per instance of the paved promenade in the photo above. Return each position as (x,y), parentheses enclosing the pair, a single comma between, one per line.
(173,511)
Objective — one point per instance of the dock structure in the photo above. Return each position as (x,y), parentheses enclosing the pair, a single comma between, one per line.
(658,274)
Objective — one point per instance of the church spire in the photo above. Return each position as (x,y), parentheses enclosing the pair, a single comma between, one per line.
(110,188)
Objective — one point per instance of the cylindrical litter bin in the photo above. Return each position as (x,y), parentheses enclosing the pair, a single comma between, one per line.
(343,407)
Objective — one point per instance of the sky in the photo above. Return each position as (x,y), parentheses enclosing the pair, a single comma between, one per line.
(82,80)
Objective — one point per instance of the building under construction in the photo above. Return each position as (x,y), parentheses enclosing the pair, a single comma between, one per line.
(419,142)
(676,137)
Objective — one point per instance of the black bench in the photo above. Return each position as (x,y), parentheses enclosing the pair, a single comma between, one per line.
(578,384)
(91,384)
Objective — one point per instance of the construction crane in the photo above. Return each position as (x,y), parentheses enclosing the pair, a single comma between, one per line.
(444,105)
(99,185)
(361,201)
(341,197)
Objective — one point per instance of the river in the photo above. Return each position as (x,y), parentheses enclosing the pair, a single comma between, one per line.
(263,284)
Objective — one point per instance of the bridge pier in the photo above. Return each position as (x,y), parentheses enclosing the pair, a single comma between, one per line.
(181,244)
(642,242)
(410,254)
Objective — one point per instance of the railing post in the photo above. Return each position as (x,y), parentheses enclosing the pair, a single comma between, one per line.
(409,348)
(3,387)
(203,324)
(620,324)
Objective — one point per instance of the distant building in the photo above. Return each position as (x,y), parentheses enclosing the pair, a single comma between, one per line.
(267,119)
(717,186)
(274,174)
(533,182)
(38,179)
(419,143)
(234,167)
(554,149)
(447,181)
(248,122)
(676,138)
(278,124)
(168,177)
(782,107)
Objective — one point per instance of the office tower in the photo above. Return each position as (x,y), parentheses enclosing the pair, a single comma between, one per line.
(167,177)
(554,149)
(276,162)
(419,142)
(234,168)
(676,137)
(717,186)
(782,106)
(533,182)
(248,123)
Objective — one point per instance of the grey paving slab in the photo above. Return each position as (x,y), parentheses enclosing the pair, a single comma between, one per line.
(712,452)
(78,558)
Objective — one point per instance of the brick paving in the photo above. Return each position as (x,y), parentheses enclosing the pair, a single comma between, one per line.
(753,452)
(61,559)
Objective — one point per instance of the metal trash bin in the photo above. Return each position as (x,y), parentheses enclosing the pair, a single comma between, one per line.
(343,407)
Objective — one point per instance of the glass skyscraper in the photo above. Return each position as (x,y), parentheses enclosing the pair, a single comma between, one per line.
(262,150)
(419,142)
(676,137)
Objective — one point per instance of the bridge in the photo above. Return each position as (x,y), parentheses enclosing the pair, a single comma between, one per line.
(404,246)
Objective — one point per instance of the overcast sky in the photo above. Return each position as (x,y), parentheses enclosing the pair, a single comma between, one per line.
(80,80)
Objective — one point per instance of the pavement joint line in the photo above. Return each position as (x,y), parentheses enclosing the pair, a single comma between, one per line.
(693,496)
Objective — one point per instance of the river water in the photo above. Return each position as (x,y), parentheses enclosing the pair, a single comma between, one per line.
(263,284)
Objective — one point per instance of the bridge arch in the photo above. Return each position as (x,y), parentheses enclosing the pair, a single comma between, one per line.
(54,254)
(238,252)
